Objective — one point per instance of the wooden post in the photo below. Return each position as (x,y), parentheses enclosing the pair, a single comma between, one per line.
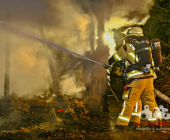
(7,64)
(92,33)
(55,87)
(7,69)
(102,11)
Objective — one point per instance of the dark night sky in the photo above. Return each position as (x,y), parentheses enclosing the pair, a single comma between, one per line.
(30,10)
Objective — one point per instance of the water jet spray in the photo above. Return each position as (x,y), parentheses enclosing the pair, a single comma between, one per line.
(10,28)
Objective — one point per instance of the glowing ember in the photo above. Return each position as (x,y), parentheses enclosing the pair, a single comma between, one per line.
(60,110)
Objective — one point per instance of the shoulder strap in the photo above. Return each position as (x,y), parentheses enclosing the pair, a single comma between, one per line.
(125,47)
(129,61)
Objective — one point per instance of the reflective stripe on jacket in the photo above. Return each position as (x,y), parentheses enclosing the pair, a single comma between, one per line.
(130,55)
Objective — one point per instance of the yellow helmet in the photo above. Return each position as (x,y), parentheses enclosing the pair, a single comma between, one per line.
(135,31)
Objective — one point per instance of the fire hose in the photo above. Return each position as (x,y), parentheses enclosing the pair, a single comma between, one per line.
(6,26)
(162,96)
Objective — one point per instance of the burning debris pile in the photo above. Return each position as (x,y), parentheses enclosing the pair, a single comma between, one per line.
(62,117)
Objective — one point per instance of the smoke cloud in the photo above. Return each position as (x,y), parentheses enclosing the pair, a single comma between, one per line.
(68,23)
(127,13)
(26,11)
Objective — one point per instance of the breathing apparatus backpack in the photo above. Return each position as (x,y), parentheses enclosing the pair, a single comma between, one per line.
(145,53)
(156,52)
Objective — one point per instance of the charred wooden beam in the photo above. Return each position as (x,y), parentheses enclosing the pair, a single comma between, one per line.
(55,86)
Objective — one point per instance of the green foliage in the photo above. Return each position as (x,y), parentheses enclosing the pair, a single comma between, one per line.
(158,26)
(163,81)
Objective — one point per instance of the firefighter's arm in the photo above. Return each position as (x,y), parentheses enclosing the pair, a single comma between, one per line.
(118,56)
(109,62)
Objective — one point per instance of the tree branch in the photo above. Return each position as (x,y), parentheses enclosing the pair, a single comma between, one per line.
(162,8)
(165,44)
(160,18)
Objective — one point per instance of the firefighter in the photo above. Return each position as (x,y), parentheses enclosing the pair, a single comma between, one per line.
(139,76)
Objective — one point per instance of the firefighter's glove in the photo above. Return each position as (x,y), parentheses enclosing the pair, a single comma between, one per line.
(109,67)
(126,93)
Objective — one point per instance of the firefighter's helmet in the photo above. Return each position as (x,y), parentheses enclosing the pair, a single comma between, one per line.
(135,31)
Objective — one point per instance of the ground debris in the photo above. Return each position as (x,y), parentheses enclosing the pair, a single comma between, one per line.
(64,120)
